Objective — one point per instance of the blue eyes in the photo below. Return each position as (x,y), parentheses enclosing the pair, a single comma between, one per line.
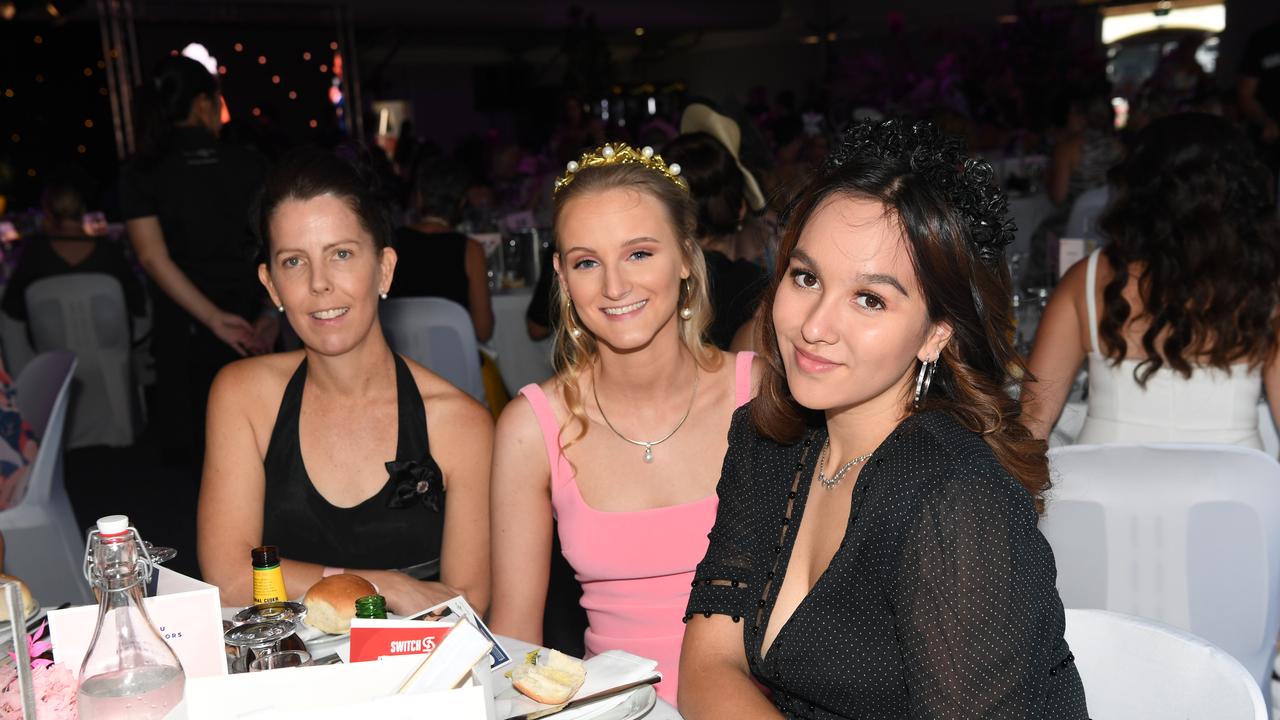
(588,263)
(294,261)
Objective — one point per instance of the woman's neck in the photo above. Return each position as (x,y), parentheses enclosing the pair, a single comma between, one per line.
(859,429)
(353,373)
(655,370)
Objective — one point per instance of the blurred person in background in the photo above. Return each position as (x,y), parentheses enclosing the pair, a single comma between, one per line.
(185,198)
(64,246)
(717,185)
(1178,315)
(435,259)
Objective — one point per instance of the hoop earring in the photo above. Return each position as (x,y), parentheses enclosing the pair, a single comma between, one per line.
(923,379)
(686,312)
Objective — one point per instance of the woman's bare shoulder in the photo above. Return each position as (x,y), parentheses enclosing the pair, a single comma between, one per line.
(445,403)
(257,378)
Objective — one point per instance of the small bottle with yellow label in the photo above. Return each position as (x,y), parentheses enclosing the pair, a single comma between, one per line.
(268,578)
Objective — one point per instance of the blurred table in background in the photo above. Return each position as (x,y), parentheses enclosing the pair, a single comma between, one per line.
(521,360)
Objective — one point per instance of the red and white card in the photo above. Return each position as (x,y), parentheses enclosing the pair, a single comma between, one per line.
(377,639)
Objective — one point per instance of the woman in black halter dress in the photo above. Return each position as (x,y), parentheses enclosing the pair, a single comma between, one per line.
(344,455)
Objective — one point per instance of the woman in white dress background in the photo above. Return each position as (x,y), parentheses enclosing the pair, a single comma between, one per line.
(1178,314)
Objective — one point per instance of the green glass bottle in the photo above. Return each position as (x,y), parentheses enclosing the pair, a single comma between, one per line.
(371,607)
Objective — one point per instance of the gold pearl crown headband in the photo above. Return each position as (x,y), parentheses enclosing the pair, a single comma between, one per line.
(621,154)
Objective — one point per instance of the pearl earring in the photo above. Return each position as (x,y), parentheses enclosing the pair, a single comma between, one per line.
(574,331)
(280,308)
(382,295)
(686,312)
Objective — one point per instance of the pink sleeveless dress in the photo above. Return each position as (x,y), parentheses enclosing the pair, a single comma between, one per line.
(635,567)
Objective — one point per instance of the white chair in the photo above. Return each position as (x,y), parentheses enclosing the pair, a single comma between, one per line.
(43,545)
(1083,220)
(438,334)
(1136,668)
(1185,534)
(86,313)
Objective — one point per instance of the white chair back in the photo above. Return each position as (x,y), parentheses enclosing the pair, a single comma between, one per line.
(86,313)
(1085,211)
(1136,668)
(1184,534)
(42,538)
(438,334)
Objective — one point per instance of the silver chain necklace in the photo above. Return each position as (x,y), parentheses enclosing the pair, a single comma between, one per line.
(838,475)
(647,444)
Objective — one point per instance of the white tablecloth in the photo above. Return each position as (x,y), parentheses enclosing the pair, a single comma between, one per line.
(521,360)
(517,649)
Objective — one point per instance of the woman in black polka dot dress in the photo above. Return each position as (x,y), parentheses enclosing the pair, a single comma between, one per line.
(875,552)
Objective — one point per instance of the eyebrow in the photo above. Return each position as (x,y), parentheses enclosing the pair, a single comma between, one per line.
(869,278)
(629,243)
(326,248)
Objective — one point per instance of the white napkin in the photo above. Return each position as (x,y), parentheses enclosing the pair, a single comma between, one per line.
(611,669)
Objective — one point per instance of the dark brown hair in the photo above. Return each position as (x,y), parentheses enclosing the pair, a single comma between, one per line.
(714,180)
(946,210)
(1195,208)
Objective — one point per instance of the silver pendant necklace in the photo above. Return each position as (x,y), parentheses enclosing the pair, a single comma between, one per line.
(647,444)
(838,475)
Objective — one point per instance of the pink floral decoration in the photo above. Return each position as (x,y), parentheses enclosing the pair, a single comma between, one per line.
(36,649)
(55,688)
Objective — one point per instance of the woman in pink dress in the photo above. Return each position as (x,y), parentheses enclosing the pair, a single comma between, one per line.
(624,446)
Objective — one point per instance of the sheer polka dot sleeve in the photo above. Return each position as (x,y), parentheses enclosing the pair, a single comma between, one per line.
(970,576)
(724,580)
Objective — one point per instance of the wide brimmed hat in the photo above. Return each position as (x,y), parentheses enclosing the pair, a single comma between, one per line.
(701,118)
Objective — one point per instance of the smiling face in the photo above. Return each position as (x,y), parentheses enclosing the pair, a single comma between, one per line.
(326,271)
(849,315)
(621,263)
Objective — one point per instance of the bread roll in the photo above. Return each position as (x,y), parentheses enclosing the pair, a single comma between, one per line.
(553,683)
(28,603)
(331,603)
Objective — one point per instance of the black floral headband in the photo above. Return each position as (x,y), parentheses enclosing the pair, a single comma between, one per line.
(967,182)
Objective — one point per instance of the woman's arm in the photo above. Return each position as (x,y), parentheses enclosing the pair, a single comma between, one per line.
(521,502)
(148,244)
(478,291)
(971,597)
(715,681)
(232,492)
(462,441)
(1056,356)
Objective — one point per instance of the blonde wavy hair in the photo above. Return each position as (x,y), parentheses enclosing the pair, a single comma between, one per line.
(576,355)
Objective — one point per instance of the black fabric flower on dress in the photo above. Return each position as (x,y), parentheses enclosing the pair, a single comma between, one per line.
(414,482)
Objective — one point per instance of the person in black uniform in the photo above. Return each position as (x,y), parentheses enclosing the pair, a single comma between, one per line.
(875,552)
(344,454)
(185,198)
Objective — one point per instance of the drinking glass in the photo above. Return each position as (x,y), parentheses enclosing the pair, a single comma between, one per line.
(281,659)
